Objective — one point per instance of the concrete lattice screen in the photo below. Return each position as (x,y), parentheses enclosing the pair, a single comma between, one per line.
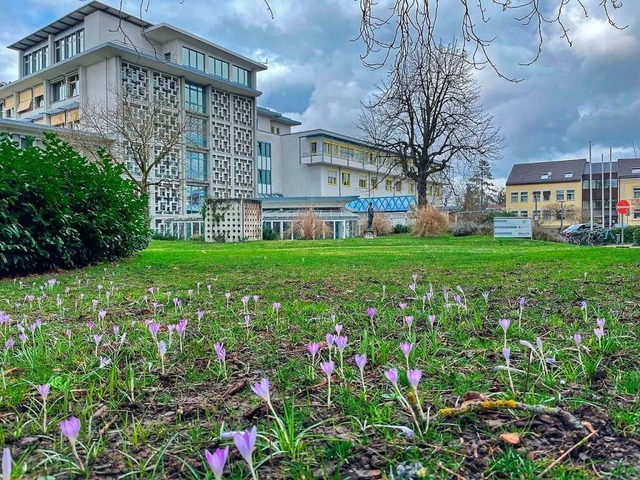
(241,220)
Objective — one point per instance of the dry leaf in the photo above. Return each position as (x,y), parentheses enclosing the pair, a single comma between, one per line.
(510,438)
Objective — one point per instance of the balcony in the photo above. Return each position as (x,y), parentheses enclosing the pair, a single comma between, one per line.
(377,166)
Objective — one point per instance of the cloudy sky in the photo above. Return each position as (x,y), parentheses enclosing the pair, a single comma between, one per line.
(571,95)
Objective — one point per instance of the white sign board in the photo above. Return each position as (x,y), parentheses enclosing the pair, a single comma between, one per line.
(512,227)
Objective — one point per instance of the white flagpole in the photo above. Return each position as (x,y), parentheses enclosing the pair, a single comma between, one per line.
(602,188)
(610,186)
(590,190)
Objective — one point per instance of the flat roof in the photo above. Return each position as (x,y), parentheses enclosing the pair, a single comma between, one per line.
(72,19)
(267,112)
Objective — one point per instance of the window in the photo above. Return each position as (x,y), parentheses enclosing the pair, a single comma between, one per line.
(635,171)
(275,130)
(314,147)
(412,188)
(68,46)
(241,76)
(196,132)
(524,197)
(545,176)
(559,195)
(568,175)
(585,184)
(388,185)
(35,61)
(636,192)
(332,177)
(219,68)
(546,215)
(536,196)
(193,59)
(362,182)
(546,195)
(346,179)
(194,98)
(524,213)
(264,167)
(196,165)
(73,85)
(636,214)
(195,197)
(398,186)
(571,194)
(374,183)
(514,197)
(58,91)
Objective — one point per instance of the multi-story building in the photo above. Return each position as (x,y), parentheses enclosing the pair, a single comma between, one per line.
(629,178)
(536,189)
(97,53)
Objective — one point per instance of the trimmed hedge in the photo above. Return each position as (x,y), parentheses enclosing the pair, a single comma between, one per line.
(59,210)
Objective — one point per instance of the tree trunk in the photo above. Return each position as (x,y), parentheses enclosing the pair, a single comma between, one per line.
(422,188)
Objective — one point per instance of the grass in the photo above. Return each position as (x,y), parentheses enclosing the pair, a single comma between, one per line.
(138,423)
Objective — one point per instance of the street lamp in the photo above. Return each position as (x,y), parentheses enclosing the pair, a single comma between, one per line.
(536,214)
(561,215)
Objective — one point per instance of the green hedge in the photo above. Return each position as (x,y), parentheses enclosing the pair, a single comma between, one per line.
(59,210)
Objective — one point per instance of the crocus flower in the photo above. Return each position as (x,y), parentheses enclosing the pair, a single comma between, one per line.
(392,376)
(44,391)
(220,351)
(371,312)
(408,319)
(217,460)
(6,464)
(162,348)
(104,362)
(245,300)
(506,351)
(406,348)
(256,298)
(102,314)
(116,330)
(578,339)
(361,361)
(97,339)
(522,302)
(338,328)
(262,389)
(599,333)
(412,287)
(200,314)
(486,296)
(327,368)
(414,377)
(245,443)
(601,322)
(341,343)
(276,306)
(330,339)
(9,343)
(504,323)
(402,305)
(71,429)
(583,305)
(154,328)
(432,320)
(313,348)
(181,326)
(90,325)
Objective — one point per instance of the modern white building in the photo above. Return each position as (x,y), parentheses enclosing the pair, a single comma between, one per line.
(233,148)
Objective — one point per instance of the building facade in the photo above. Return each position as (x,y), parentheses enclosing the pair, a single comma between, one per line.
(576,190)
(97,54)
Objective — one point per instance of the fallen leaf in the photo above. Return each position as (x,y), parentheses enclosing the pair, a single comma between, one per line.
(510,438)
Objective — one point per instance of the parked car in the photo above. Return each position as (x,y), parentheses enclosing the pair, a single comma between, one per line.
(576,227)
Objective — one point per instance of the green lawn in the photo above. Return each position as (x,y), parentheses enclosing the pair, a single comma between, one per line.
(138,422)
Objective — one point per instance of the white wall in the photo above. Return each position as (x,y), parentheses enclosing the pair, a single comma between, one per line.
(100,27)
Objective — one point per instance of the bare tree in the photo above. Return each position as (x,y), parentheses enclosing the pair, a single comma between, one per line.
(392,32)
(427,114)
(140,133)
(558,211)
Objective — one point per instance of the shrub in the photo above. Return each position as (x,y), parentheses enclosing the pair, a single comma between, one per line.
(547,235)
(307,225)
(429,222)
(58,210)
(463,229)
(399,228)
(381,226)
(636,236)
(269,234)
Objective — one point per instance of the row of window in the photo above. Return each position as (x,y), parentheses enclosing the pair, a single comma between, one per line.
(597,184)
(68,46)
(35,61)
(217,68)
(561,195)
(33,98)
(363,181)
(65,87)
(346,152)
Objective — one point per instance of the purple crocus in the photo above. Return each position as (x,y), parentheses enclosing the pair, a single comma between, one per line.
(162,348)
(402,305)
(97,339)
(578,339)
(89,325)
(262,389)
(338,328)
(6,464)
(327,368)
(276,307)
(392,376)
(154,328)
(504,324)
(408,320)
(181,326)
(9,343)
(506,351)
(406,348)
(102,314)
(599,333)
(330,339)
(341,343)
(414,377)
(220,351)
(71,429)
(485,295)
(245,443)
(313,349)
(200,314)
(217,461)
(44,391)
(361,361)
(371,312)
(601,322)
(432,320)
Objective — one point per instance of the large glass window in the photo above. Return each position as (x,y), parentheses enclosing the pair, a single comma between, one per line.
(264,168)
(219,68)
(73,85)
(68,46)
(35,61)
(195,198)
(196,165)
(58,90)
(241,76)
(196,133)
(194,98)
(193,59)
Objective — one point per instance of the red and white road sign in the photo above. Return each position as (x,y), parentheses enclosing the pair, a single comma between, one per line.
(623,207)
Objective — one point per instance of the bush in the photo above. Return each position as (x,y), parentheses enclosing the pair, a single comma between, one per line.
(463,229)
(269,234)
(399,228)
(636,236)
(547,235)
(58,210)
(307,225)
(429,222)
(381,226)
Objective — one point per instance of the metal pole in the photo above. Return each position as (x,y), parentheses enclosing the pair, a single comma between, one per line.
(602,188)
(610,187)
(590,191)
(622,217)
(561,216)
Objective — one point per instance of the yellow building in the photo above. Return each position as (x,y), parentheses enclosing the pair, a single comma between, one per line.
(629,187)
(545,190)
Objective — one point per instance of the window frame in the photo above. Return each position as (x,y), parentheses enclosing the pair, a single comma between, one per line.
(191,89)
(198,59)
(196,162)
(332,177)
(345,179)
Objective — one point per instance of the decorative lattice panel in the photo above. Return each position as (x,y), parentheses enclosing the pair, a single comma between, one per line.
(243,142)
(242,220)
(135,81)
(220,191)
(169,166)
(243,174)
(243,111)
(220,137)
(166,89)
(220,105)
(167,198)
(221,168)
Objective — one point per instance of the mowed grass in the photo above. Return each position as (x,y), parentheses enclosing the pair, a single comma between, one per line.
(140,423)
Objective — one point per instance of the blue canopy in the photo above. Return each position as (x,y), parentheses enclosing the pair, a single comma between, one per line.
(400,203)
